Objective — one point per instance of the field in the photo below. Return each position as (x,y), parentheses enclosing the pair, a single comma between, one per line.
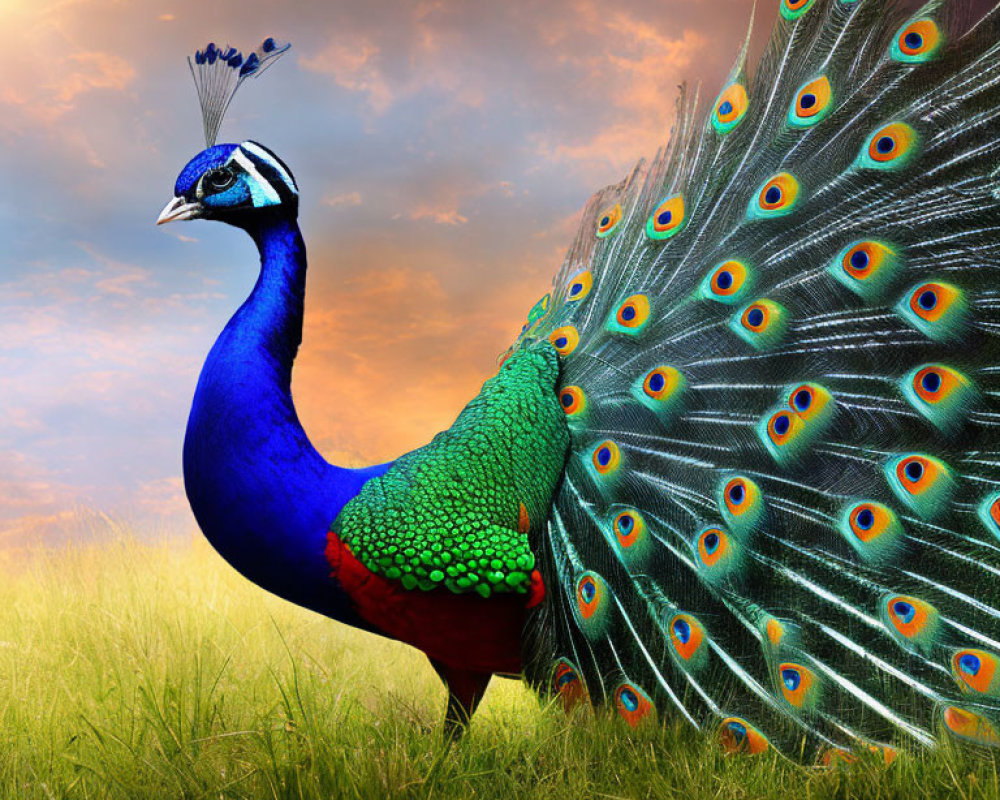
(132,670)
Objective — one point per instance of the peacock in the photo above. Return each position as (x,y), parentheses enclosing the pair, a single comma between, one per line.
(740,467)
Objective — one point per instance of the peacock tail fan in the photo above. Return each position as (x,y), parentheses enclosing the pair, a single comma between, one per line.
(219,72)
(780,365)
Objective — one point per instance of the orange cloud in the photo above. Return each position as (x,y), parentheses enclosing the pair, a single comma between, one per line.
(440,215)
(83,72)
(391,355)
(352,64)
(638,67)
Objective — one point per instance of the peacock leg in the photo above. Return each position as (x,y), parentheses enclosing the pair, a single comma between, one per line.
(465,689)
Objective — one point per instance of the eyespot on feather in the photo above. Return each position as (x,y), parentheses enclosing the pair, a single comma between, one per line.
(631,317)
(603,461)
(662,382)
(564,339)
(913,622)
(631,537)
(783,434)
(777,197)
(572,400)
(719,555)
(567,683)
(917,42)
(736,735)
(941,394)
(592,604)
(793,9)
(629,528)
(936,309)
(687,640)
(609,221)
(868,521)
(579,286)
(727,283)
(667,218)
(873,530)
(633,704)
(867,268)
(741,505)
(989,513)
(975,671)
(798,685)
(761,324)
(782,428)
(604,464)
(661,390)
(812,103)
(730,108)
(607,457)
(587,596)
(712,546)
(891,147)
(970,726)
(923,484)
(813,403)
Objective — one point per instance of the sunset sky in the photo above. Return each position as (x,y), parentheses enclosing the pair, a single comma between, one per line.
(443,149)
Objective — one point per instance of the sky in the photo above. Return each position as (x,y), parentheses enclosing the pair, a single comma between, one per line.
(443,148)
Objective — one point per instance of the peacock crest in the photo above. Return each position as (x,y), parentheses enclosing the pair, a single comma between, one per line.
(219,72)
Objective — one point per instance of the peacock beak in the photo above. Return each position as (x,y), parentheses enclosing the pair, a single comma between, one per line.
(178,209)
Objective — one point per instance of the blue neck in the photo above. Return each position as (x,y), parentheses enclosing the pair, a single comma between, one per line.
(260,491)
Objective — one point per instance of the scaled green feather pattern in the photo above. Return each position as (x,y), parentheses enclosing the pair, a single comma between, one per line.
(449,514)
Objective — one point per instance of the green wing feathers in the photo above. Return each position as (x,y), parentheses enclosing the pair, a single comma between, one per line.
(780,349)
(458,512)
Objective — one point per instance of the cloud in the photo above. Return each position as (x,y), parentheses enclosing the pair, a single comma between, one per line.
(343,199)
(639,66)
(163,497)
(352,64)
(442,216)
(41,91)
(84,72)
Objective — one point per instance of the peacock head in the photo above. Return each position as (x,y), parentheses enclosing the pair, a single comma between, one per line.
(234,183)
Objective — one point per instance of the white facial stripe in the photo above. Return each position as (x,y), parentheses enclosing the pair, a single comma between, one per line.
(264,156)
(257,182)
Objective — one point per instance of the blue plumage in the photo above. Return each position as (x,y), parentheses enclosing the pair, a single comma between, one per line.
(260,491)
(212,158)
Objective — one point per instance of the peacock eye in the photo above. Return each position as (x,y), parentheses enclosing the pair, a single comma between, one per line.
(219,179)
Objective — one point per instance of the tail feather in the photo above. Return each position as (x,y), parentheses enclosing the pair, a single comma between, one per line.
(779,343)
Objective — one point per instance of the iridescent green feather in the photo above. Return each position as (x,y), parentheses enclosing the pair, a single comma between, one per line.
(448,514)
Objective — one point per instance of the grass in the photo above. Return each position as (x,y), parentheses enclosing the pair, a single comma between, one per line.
(133,670)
